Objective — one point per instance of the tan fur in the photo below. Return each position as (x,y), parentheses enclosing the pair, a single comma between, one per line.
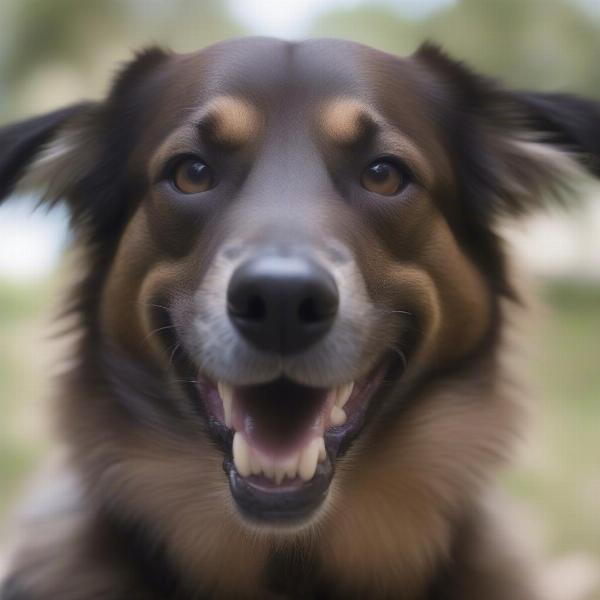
(343,119)
(397,494)
(390,510)
(234,121)
(342,122)
(407,508)
(197,519)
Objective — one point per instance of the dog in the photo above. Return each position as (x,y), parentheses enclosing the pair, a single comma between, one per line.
(291,376)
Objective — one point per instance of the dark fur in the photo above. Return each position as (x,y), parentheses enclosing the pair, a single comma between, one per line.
(111,548)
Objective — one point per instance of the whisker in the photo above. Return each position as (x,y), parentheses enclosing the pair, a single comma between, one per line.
(394,348)
(156,305)
(157,330)
(177,345)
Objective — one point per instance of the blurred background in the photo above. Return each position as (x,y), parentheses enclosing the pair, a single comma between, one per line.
(54,52)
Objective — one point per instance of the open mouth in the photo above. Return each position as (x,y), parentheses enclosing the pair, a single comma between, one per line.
(282,439)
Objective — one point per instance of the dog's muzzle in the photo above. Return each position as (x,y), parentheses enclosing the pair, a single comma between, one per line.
(281,342)
(282,304)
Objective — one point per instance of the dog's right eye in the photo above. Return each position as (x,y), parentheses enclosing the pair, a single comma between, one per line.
(192,176)
(383,177)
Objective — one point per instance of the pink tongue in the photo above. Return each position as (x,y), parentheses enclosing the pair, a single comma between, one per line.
(279,418)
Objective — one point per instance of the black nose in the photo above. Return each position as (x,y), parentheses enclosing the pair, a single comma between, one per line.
(282,304)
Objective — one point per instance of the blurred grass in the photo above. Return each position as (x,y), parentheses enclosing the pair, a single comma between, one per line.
(23,434)
(559,480)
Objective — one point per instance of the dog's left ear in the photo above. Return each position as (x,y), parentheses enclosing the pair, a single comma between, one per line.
(38,141)
(65,156)
(512,151)
(79,155)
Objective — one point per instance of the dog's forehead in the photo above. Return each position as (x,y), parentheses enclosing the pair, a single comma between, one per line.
(244,87)
(266,68)
(272,73)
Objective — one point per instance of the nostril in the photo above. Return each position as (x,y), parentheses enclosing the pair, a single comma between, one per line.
(256,309)
(308,311)
(250,307)
(282,304)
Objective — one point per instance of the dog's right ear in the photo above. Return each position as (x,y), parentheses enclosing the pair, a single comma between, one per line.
(39,151)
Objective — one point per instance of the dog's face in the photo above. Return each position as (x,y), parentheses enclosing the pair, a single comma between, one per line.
(291,238)
(290,248)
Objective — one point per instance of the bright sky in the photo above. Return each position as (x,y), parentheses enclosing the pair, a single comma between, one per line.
(290,18)
(30,241)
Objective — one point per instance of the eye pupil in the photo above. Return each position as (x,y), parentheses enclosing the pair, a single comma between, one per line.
(380,171)
(384,178)
(193,176)
(196,171)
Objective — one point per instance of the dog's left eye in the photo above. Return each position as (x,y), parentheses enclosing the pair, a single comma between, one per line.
(192,176)
(384,177)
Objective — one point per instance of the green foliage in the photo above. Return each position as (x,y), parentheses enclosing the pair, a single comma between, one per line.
(86,37)
(538,44)
(22,386)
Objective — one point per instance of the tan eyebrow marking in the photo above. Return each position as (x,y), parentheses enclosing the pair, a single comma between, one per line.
(346,120)
(231,121)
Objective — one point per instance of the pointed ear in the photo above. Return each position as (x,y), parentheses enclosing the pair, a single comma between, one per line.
(36,140)
(512,151)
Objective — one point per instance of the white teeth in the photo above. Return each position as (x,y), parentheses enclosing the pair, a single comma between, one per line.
(279,473)
(286,468)
(343,393)
(308,460)
(226,393)
(241,454)
(255,467)
(301,464)
(322,451)
(338,416)
(249,461)
(292,466)
(268,469)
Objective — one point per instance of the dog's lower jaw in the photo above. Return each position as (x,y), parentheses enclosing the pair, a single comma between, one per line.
(281,441)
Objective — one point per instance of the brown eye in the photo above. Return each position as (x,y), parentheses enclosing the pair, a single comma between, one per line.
(384,178)
(193,176)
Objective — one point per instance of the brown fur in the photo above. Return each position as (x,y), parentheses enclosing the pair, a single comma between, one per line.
(424,278)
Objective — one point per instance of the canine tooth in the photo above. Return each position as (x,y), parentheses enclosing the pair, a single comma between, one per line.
(338,416)
(308,460)
(241,454)
(343,393)
(226,393)
(322,451)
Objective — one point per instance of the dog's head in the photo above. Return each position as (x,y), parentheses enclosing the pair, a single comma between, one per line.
(287,240)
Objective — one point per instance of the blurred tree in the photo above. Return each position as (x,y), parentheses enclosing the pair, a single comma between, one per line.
(73,44)
(62,30)
(543,44)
